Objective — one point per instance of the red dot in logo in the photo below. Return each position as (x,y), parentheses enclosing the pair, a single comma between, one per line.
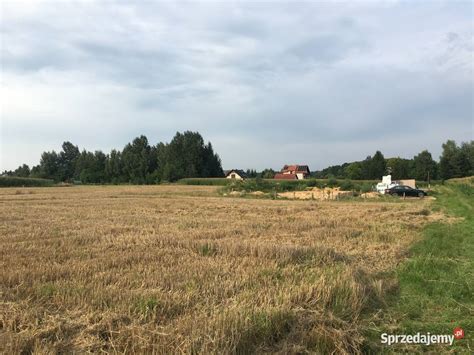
(458,333)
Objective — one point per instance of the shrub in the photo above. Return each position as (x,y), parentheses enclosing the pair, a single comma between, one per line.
(366,187)
(347,185)
(332,182)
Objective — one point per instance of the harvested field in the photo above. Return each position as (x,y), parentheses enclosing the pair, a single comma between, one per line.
(172,269)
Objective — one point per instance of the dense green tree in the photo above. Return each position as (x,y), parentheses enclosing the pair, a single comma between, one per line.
(90,167)
(424,167)
(35,171)
(449,163)
(136,160)
(212,166)
(113,168)
(67,161)
(7,173)
(184,155)
(187,156)
(373,167)
(467,151)
(22,171)
(169,172)
(50,166)
(251,173)
(161,152)
(455,162)
(100,161)
(85,167)
(378,166)
(366,168)
(399,168)
(267,174)
(336,171)
(353,171)
(153,175)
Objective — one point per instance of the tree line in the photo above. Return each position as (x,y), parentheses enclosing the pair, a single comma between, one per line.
(187,155)
(455,161)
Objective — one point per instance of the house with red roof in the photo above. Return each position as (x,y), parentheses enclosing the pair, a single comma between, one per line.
(293,172)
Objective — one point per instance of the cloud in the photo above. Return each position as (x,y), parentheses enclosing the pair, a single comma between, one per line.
(268,83)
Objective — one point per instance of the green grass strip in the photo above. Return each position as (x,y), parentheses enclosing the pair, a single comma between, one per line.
(436,283)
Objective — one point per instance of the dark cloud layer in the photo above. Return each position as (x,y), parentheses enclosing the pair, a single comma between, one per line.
(268,83)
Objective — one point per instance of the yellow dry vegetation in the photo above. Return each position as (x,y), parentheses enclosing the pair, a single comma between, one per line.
(179,269)
(327,193)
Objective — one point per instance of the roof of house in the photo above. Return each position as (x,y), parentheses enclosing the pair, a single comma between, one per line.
(285,177)
(302,168)
(299,168)
(240,172)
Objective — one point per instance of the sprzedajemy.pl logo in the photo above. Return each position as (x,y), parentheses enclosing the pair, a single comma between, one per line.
(419,338)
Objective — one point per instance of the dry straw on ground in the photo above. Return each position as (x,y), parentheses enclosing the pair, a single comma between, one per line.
(170,269)
(327,193)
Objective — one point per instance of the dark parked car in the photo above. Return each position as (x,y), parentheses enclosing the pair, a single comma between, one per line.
(403,190)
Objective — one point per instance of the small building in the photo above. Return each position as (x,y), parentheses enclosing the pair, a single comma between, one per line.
(237,174)
(409,182)
(298,172)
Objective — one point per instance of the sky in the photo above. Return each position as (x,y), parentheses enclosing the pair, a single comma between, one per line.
(268,83)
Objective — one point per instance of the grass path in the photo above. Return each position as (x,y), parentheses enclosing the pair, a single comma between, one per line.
(436,283)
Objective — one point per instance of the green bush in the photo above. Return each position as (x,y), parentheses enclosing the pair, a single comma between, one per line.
(332,182)
(347,185)
(365,187)
(14,181)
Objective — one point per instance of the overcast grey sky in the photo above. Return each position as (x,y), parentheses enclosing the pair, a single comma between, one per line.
(267,83)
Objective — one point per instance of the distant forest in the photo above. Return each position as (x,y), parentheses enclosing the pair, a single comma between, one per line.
(455,161)
(188,156)
(138,163)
